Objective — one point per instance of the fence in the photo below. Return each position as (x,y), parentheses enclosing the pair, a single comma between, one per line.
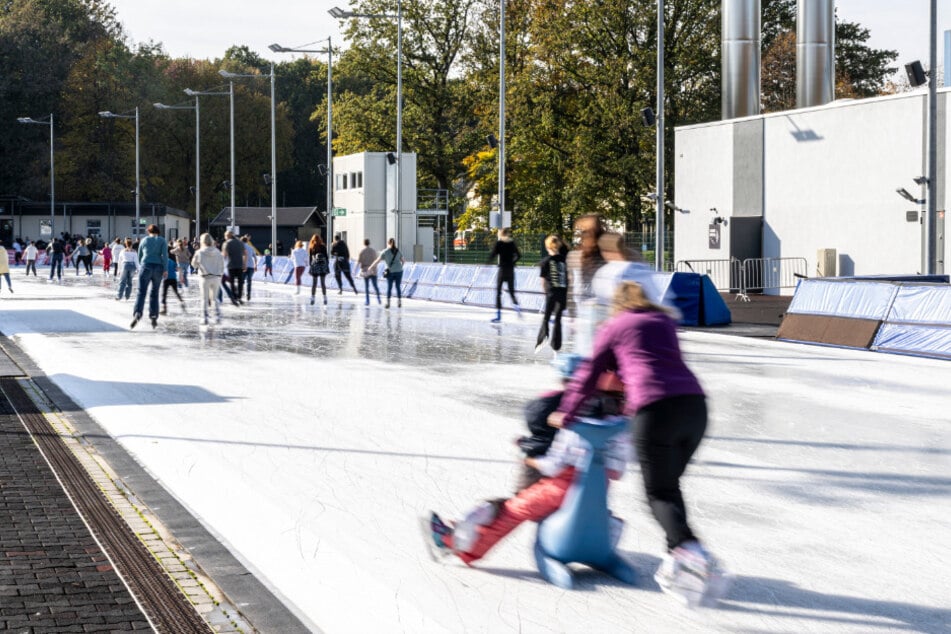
(750,275)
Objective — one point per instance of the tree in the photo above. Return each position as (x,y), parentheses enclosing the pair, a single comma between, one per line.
(860,71)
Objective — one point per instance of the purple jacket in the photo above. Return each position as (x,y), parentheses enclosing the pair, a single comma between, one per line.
(642,347)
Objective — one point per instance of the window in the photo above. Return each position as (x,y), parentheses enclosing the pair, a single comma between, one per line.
(357,178)
(94,228)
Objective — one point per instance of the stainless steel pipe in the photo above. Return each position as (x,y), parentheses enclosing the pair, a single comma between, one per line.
(815,52)
(740,58)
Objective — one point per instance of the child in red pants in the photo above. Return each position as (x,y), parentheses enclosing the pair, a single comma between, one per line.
(485,525)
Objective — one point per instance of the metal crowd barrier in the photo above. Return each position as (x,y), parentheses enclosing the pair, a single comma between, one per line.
(750,275)
(726,275)
(761,274)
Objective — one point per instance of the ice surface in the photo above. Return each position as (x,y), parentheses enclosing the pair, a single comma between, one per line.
(310,439)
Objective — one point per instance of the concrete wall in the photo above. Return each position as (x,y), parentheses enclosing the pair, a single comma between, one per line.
(823,177)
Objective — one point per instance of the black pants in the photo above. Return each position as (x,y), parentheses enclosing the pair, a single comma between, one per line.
(313,285)
(555,301)
(170,284)
(237,282)
(506,275)
(343,268)
(666,433)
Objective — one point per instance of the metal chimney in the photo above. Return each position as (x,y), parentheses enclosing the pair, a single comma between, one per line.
(815,53)
(740,58)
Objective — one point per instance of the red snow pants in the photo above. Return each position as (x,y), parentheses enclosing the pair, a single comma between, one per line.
(532,505)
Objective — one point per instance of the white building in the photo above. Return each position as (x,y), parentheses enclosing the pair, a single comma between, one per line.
(364,202)
(788,184)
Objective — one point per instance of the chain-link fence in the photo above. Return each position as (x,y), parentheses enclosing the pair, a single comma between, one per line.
(474,247)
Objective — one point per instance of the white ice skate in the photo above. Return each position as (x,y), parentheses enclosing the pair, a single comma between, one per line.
(693,576)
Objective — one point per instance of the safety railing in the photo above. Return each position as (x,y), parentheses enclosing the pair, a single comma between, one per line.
(763,274)
(726,275)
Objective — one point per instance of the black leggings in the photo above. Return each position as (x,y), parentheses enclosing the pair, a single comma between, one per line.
(313,285)
(666,433)
(506,276)
(555,301)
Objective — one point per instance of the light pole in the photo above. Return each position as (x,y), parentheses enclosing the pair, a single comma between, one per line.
(52,167)
(501,114)
(232,76)
(659,202)
(341,14)
(138,191)
(162,106)
(212,93)
(277,48)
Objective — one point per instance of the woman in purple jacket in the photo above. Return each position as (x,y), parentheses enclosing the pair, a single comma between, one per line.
(669,416)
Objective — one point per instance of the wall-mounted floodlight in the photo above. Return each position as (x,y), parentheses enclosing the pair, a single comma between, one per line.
(921,180)
(907,196)
(648,118)
(916,74)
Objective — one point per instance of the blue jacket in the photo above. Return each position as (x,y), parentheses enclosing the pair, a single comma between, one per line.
(153,250)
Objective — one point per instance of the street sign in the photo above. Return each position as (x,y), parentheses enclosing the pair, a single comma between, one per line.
(339,211)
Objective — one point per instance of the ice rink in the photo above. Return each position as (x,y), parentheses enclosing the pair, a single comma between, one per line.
(311,438)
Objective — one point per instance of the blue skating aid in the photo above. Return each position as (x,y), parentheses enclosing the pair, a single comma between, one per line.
(579,531)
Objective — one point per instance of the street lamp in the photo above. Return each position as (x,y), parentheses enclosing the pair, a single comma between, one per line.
(342,14)
(501,139)
(659,202)
(162,106)
(138,192)
(277,48)
(52,165)
(212,93)
(232,76)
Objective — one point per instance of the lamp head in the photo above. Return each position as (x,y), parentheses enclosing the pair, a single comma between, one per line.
(106,114)
(277,48)
(921,180)
(190,92)
(225,74)
(339,13)
(161,106)
(24,120)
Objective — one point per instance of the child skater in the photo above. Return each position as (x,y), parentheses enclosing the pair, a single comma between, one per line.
(554,274)
(171,282)
(490,521)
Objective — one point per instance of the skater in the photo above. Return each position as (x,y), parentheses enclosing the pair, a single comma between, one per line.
(182,260)
(5,266)
(116,248)
(128,260)
(367,269)
(508,255)
(17,252)
(79,254)
(585,259)
(31,253)
(299,259)
(234,251)
(209,265)
(490,521)
(669,415)
(393,272)
(554,276)
(56,251)
(153,268)
(252,265)
(171,282)
(341,257)
(319,267)
(268,263)
(106,259)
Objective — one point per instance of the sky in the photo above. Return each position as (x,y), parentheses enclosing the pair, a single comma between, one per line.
(207,29)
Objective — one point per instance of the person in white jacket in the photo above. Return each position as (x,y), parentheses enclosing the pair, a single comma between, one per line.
(31,254)
(209,264)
